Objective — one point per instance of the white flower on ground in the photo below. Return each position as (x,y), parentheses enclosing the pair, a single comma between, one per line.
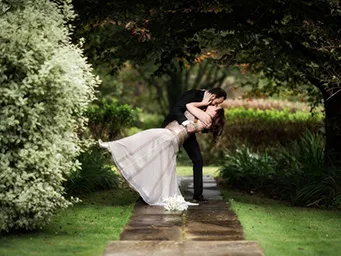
(175,203)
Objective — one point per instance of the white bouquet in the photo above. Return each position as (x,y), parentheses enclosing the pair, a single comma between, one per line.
(176,203)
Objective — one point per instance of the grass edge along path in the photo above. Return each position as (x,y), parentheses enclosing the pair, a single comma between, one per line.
(284,230)
(83,229)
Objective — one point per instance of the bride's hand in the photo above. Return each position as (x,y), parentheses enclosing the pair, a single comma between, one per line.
(207,98)
(191,128)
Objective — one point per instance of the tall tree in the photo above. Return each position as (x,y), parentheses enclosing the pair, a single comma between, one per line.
(292,42)
(176,80)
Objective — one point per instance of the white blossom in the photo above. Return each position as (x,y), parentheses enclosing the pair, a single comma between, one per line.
(45,87)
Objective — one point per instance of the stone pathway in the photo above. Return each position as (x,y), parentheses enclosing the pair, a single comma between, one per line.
(207,229)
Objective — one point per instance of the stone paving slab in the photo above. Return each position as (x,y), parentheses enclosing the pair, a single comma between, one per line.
(187,248)
(220,248)
(213,204)
(141,208)
(205,229)
(212,225)
(203,235)
(155,220)
(210,188)
(209,215)
(157,234)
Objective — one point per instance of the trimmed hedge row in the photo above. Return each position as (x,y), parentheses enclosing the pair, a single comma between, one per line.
(260,130)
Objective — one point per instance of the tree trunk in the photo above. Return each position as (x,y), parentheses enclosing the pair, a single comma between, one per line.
(175,88)
(332,104)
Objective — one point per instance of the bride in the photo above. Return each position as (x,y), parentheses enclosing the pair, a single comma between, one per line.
(147,160)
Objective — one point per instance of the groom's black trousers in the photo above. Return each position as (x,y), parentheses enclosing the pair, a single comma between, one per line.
(192,148)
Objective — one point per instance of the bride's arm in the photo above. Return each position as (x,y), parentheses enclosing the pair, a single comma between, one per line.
(194,109)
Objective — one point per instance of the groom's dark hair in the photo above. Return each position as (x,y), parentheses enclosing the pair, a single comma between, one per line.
(218,92)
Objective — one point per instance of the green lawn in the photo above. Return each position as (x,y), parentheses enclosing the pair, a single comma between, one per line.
(188,170)
(281,229)
(84,229)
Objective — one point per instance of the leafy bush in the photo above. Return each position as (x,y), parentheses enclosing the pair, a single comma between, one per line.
(108,118)
(296,173)
(260,130)
(306,179)
(46,85)
(95,173)
(264,104)
(149,121)
(300,164)
(268,128)
(248,170)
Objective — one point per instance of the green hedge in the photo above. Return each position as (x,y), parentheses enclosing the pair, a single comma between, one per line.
(260,130)
(46,85)
(109,118)
(96,173)
(266,128)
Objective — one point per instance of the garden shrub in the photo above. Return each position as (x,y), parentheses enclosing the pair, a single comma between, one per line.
(296,173)
(46,85)
(266,104)
(260,130)
(248,170)
(108,119)
(96,173)
(149,121)
(303,177)
(267,128)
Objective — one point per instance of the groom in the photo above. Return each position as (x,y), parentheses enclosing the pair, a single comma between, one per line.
(191,144)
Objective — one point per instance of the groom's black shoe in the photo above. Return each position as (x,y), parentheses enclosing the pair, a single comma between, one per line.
(200,199)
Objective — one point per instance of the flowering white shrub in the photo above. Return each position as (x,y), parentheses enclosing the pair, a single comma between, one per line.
(45,86)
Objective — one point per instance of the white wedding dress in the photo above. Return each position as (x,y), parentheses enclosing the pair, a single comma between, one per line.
(147,160)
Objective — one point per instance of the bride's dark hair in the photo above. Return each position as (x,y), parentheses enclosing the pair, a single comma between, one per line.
(218,122)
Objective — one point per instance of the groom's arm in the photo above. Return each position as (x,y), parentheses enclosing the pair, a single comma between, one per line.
(179,109)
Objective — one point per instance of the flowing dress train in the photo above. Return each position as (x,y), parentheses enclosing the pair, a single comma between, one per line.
(147,160)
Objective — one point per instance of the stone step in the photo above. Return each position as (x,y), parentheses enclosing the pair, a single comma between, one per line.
(155,220)
(186,248)
(206,229)
(159,233)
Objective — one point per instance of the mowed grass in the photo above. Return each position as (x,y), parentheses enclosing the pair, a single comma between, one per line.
(188,170)
(283,230)
(84,229)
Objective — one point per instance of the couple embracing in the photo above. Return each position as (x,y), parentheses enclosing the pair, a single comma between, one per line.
(147,160)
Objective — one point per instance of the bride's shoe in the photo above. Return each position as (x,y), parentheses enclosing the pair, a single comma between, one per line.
(103,144)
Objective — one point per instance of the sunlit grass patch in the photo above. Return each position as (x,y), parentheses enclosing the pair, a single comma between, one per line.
(84,229)
(188,170)
(284,230)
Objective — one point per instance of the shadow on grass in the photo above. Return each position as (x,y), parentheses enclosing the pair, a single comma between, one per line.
(115,197)
(257,200)
(245,197)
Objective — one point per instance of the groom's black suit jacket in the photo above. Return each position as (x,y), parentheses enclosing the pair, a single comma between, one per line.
(178,110)
(191,145)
